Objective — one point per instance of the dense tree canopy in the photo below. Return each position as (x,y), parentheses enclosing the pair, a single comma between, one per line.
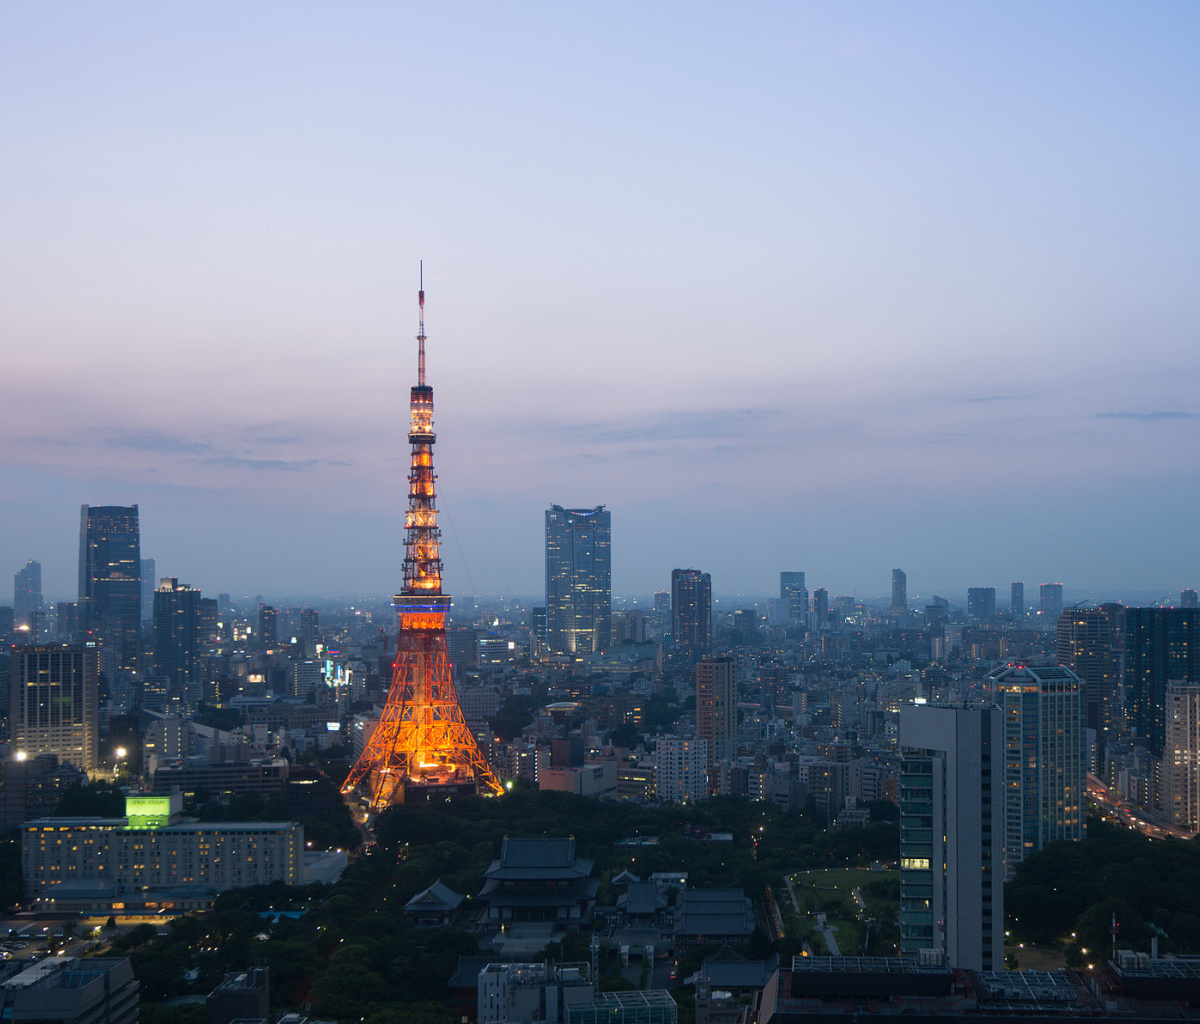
(1151,887)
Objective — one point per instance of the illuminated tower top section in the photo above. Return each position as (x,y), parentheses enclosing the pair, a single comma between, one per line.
(422,561)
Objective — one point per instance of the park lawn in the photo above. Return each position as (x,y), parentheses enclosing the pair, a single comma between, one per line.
(840,878)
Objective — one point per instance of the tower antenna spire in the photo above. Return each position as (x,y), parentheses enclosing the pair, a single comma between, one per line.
(421,330)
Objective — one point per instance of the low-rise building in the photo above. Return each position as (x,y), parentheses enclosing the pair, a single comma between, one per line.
(594,779)
(151,847)
(223,779)
(68,990)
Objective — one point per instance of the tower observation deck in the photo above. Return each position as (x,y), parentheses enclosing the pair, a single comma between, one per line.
(421,747)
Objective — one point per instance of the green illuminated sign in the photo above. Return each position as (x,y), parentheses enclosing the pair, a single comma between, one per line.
(147,807)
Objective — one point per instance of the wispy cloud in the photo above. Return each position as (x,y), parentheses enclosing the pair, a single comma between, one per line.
(237,462)
(1147,417)
(996,398)
(153,442)
(719,423)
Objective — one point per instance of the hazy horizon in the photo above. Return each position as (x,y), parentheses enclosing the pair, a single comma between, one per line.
(815,286)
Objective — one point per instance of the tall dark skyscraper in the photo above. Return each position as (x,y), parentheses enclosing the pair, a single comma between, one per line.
(1189,599)
(899,591)
(691,610)
(794,590)
(578,580)
(1161,645)
(1051,603)
(177,637)
(110,579)
(27,593)
(1018,601)
(981,603)
(268,627)
(1090,642)
(716,708)
(820,609)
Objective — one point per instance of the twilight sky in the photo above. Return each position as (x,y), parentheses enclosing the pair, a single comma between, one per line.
(833,287)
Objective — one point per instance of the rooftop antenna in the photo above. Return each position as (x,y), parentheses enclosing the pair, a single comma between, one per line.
(421,331)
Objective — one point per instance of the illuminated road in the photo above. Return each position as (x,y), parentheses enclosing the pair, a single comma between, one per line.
(1119,809)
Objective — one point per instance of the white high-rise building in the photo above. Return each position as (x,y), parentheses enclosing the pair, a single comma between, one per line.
(681,770)
(952,832)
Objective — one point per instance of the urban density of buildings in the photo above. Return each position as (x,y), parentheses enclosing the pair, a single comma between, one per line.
(983,724)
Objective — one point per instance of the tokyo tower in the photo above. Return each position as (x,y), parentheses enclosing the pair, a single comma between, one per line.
(421,747)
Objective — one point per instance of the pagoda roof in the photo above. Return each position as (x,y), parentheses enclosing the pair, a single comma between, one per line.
(538,859)
(436,897)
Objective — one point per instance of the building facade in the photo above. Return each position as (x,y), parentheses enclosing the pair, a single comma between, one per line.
(794,590)
(681,770)
(1161,645)
(691,610)
(1181,756)
(716,708)
(110,579)
(899,591)
(981,603)
(1017,601)
(27,593)
(952,832)
(1051,602)
(1045,757)
(54,703)
(578,580)
(70,990)
(177,633)
(1090,642)
(152,848)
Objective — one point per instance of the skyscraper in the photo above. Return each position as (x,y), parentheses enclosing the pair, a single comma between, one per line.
(793,589)
(54,703)
(578,580)
(1181,756)
(1045,757)
(110,579)
(177,633)
(27,593)
(1018,601)
(308,625)
(716,708)
(981,603)
(1051,603)
(268,627)
(820,607)
(149,570)
(1161,645)
(1189,599)
(952,832)
(691,610)
(899,591)
(1089,643)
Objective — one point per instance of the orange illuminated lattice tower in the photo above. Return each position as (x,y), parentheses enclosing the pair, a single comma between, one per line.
(421,746)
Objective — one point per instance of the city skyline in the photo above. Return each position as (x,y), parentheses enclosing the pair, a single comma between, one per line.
(923,277)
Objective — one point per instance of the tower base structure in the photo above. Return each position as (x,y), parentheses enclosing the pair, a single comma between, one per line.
(422,749)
